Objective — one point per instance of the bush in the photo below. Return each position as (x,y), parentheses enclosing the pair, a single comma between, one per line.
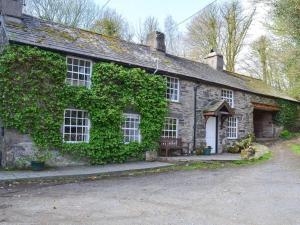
(244,143)
(285,134)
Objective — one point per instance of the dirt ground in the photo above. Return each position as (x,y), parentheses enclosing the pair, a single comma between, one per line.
(267,193)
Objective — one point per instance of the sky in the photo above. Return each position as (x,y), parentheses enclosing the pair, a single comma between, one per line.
(136,10)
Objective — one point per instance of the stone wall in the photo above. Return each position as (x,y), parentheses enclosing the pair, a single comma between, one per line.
(18,150)
(184,111)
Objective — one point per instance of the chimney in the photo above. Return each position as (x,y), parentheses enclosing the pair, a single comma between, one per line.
(215,60)
(11,8)
(156,41)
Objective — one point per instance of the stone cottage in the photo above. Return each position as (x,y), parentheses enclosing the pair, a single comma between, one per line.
(208,105)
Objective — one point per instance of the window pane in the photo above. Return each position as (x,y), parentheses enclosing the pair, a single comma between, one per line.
(79,71)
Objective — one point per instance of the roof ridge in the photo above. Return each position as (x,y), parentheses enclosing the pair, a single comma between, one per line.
(84,30)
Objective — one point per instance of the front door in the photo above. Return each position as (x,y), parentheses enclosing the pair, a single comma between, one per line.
(211,127)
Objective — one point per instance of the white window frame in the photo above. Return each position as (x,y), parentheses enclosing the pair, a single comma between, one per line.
(70,81)
(228,95)
(135,128)
(87,126)
(232,131)
(169,88)
(167,128)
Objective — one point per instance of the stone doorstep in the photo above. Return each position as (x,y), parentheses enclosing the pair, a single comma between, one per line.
(81,172)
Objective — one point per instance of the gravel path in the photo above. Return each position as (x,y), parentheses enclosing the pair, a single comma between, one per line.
(267,193)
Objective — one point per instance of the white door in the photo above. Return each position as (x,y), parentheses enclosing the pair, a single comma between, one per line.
(211,133)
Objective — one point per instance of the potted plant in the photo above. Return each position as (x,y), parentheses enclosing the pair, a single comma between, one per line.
(151,155)
(207,150)
(39,158)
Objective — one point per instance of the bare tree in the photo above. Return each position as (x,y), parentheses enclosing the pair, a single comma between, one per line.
(236,26)
(223,27)
(112,24)
(75,13)
(149,25)
(204,33)
(173,36)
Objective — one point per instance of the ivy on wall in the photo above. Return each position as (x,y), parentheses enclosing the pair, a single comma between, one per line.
(33,96)
(288,114)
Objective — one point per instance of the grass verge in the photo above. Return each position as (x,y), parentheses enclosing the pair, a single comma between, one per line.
(295,148)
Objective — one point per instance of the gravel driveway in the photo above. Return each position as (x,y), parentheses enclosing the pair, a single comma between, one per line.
(267,193)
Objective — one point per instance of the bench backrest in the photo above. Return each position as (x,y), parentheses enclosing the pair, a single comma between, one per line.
(170,142)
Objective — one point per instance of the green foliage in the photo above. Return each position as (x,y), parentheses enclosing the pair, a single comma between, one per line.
(288,114)
(243,143)
(34,95)
(285,134)
(295,148)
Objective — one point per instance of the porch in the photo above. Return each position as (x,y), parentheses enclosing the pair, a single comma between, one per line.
(264,127)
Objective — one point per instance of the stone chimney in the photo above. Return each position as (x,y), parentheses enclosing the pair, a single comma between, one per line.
(11,8)
(156,41)
(215,60)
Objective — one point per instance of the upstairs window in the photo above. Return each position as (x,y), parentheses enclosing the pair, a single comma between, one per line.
(172,89)
(228,96)
(131,128)
(76,126)
(232,128)
(79,72)
(170,128)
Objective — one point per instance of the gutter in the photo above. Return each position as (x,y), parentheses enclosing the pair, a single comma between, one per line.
(195,118)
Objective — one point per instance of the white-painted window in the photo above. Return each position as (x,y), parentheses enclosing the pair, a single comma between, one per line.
(232,127)
(79,72)
(131,127)
(170,128)
(228,96)
(172,89)
(76,126)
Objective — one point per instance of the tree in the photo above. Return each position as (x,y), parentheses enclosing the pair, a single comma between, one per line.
(204,33)
(75,13)
(286,26)
(112,24)
(149,25)
(236,25)
(223,27)
(263,62)
(172,35)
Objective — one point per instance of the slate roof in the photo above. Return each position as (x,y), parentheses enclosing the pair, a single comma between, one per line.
(38,32)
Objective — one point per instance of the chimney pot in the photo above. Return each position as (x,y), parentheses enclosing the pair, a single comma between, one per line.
(215,60)
(156,41)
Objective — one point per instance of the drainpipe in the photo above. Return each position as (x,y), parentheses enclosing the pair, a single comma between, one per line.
(195,119)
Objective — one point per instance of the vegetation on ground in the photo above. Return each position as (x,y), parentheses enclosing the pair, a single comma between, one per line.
(287,135)
(295,148)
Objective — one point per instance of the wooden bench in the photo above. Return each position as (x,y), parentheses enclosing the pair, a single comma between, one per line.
(170,144)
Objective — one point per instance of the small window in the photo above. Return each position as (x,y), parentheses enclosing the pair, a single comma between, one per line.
(131,128)
(170,128)
(76,126)
(228,96)
(79,72)
(232,128)
(172,89)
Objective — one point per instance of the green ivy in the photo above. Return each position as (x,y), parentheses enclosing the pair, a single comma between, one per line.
(288,114)
(34,95)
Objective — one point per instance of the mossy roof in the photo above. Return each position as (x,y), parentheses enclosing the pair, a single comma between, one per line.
(41,33)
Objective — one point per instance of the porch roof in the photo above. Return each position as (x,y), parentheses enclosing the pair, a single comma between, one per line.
(218,107)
